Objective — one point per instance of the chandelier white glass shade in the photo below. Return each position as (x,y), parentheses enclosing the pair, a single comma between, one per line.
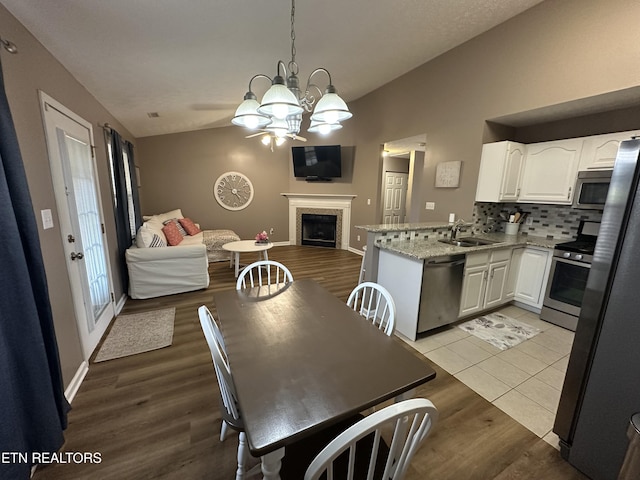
(323,128)
(247,113)
(282,106)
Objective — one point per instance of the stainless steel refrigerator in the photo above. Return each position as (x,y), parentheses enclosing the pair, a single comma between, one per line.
(602,384)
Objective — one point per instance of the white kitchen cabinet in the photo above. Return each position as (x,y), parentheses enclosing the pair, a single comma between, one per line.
(599,151)
(550,170)
(473,288)
(535,263)
(512,275)
(500,169)
(485,280)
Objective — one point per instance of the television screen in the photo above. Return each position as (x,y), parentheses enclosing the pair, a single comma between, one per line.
(322,161)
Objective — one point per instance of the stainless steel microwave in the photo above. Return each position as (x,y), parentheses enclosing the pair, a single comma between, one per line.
(591,189)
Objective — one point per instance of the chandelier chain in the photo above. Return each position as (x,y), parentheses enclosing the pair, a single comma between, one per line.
(293,32)
(280,114)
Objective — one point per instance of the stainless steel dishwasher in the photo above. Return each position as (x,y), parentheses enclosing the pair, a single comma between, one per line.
(441,291)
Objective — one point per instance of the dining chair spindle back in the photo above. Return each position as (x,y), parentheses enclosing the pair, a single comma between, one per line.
(263,272)
(374,302)
(411,420)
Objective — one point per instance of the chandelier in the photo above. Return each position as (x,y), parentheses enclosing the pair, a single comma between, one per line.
(279,115)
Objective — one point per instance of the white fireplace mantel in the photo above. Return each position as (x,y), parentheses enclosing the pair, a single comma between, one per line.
(327,201)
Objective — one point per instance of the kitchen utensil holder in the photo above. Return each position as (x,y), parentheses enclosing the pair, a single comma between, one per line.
(511,228)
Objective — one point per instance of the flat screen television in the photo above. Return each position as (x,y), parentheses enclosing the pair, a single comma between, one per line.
(321,162)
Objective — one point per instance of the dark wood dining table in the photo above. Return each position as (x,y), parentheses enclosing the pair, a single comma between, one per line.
(302,361)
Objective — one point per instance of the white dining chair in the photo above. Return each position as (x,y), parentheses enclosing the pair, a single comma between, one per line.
(263,272)
(360,450)
(206,316)
(230,413)
(374,302)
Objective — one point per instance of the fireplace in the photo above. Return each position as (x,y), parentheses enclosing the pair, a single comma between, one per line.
(338,205)
(319,230)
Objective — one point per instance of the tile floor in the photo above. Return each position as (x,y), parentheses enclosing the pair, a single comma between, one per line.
(524,381)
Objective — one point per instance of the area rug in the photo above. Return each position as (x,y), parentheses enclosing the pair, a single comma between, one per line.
(499,330)
(138,333)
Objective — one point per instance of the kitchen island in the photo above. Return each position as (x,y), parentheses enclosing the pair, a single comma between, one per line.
(425,276)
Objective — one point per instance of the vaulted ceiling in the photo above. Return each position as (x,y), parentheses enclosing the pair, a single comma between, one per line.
(191,61)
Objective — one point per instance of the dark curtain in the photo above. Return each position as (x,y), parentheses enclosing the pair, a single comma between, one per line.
(134,186)
(33,408)
(123,217)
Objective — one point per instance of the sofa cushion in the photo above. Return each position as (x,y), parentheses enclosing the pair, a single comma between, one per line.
(181,229)
(161,217)
(145,234)
(157,241)
(189,226)
(170,231)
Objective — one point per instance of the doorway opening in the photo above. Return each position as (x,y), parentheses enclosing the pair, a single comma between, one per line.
(402,167)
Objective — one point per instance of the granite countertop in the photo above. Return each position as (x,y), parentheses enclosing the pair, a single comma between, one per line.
(422,249)
(401,227)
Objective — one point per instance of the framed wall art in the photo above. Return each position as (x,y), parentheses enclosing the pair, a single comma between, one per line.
(448,174)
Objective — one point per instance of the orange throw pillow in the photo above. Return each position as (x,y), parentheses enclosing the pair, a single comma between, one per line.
(172,233)
(189,226)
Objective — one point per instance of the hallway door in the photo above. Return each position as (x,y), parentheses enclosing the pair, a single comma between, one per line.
(395,198)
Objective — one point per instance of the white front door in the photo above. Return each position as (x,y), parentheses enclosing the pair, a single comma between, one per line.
(75,181)
(395,197)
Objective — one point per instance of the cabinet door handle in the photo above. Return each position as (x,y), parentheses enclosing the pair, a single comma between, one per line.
(569,194)
(518,193)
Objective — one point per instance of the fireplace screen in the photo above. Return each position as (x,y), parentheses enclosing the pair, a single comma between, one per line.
(319,230)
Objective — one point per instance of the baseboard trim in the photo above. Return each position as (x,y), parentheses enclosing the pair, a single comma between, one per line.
(524,306)
(281,244)
(76,381)
(120,304)
(356,251)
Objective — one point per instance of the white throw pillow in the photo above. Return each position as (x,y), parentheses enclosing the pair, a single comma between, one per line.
(144,237)
(162,217)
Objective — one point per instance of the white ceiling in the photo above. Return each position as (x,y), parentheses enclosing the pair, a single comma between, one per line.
(191,60)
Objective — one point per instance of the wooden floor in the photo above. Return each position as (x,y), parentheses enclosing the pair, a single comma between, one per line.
(156,414)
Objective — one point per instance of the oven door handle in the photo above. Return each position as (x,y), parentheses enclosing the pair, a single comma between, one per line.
(571,262)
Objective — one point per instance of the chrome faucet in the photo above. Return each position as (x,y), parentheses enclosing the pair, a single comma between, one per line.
(455,228)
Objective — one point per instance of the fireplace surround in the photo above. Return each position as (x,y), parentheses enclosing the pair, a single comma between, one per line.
(320,204)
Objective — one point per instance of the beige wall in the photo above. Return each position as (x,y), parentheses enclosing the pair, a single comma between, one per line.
(179,170)
(33,69)
(561,51)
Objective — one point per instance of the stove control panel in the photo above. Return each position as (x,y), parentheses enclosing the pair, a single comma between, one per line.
(578,257)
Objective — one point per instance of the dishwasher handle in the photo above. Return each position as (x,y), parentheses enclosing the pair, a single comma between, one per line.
(448,264)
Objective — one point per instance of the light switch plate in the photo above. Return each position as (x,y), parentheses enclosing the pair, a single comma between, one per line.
(47,219)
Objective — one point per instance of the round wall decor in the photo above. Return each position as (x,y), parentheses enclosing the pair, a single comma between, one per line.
(233,190)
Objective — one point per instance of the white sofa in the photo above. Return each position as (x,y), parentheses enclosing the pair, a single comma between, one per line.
(155,271)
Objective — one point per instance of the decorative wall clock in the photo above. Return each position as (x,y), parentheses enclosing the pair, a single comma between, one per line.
(233,190)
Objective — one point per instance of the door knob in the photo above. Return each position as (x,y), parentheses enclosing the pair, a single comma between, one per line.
(77,256)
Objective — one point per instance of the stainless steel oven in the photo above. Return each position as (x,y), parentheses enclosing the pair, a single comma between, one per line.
(591,189)
(570,269)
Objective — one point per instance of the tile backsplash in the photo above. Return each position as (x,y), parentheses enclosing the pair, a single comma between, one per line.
(550,221)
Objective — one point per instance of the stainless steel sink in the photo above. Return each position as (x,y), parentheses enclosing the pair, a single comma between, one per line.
(467,242)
